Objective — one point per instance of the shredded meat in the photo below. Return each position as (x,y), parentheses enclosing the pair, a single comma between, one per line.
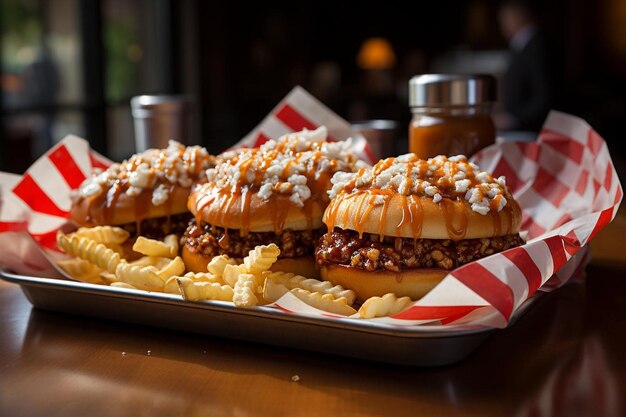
(344,247)
(159,227)
(212,241)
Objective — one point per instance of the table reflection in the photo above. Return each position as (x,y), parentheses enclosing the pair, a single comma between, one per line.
(100,360)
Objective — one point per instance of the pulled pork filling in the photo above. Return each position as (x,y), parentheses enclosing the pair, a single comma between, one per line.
(211,241)
(159,227)
(344,247)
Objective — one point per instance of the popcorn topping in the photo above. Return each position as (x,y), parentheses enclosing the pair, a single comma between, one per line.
(287,166)
(155,169)
(439,177)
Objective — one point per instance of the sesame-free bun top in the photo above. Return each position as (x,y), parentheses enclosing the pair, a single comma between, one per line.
(282,184)
(438,198)
(151,184)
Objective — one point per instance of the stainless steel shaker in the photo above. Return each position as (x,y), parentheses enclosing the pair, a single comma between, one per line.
(159,118)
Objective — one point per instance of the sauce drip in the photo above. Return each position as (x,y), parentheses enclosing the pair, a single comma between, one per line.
(246,179)
(155,168)
(455,213)
(142,206)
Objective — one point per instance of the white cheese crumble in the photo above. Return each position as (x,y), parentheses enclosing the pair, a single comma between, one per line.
(286,166)
(154,169)
(439,177)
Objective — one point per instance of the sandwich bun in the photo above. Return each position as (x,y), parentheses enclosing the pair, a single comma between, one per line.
(94,211)
(413,283)
(420,217)
(241,211)
(303,265)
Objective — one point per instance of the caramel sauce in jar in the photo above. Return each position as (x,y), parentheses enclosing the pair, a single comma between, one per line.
(451,114)
(450,131)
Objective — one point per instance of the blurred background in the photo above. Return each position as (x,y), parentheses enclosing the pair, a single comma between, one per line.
(72,66)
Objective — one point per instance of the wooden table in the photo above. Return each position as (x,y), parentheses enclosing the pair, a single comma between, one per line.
(565,357)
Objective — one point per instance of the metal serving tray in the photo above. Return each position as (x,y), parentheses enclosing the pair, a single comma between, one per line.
(416,346)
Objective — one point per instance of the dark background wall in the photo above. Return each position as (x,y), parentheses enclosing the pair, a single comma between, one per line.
(238,59)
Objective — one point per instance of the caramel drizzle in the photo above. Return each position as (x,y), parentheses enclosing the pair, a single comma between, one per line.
(383,217)
(454,212)
(362,216)
(225,198)
(413,212)
(245,211)
(142,205)
(101,208)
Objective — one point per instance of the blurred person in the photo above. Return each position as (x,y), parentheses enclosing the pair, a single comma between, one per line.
(40,84)
(526,86)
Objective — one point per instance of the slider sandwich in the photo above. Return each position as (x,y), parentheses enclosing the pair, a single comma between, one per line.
(402,225)
(145,195)
(272,194)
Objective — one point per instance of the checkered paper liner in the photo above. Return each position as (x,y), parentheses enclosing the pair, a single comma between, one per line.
(565,183)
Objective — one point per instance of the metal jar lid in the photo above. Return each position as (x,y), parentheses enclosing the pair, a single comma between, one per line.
(148,105)
(451,89)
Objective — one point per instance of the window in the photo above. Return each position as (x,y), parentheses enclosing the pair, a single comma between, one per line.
(71,66)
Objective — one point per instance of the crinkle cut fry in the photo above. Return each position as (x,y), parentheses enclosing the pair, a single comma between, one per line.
(89,250)
(196,291)
(261,258)
(104,234)
(387,305)
(292,281)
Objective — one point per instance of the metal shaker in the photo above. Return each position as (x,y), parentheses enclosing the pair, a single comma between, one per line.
(159,118)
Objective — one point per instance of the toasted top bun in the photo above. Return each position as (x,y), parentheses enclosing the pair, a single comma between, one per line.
(151,184)
(94,211)
(438,198)
(248,211)
(282,184)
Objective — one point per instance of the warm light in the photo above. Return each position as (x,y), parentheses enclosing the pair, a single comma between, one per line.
(134,53)
(376,53)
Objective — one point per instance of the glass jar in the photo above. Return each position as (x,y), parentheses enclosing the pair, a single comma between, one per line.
(451,114)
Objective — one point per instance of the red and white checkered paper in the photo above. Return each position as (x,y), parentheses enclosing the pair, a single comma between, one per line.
(299,110)
(565,183)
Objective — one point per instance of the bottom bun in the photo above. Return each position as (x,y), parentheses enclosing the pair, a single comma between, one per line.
(413,283)
(194,262)
(303,265)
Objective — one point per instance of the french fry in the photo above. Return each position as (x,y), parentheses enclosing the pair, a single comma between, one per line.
(244,291)
(261,258)
(218,264)
(144,278)
(109,235)
(152,247)
(119,284)
(291,281)
(171,285)
(231,274)
(272,290)
(175,267)
(326,302)
(108,277)
(387,305)
(82,270)
(196,291)
(159,262)
(89,250)
(204,277)
(172,242)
